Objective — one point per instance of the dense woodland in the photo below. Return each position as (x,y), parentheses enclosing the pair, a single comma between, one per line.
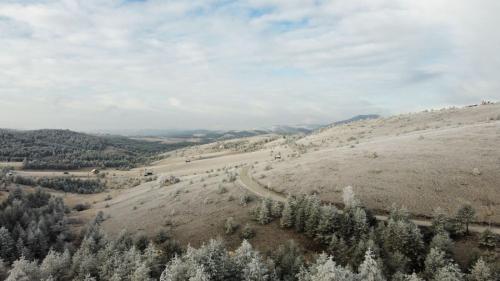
(64,149)
(35,245)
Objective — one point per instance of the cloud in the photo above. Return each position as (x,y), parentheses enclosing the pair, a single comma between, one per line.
(239,64)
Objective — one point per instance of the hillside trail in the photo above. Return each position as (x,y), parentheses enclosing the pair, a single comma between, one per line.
(256,188)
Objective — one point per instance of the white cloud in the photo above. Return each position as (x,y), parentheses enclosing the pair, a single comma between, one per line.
(118,64)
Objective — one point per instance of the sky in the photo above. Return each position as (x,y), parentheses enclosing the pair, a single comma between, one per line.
(222,64)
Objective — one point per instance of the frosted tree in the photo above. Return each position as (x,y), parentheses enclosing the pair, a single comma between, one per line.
(56,264)
(7,245)
(450,272)
(349,198)
(370,270)
(177,270)
(244,254)
(24,270)
(327,219)
(287,219)
(465,215)
(325,269)
(276,209)
(199,275)
(312,216)
(480,272)
(442,242)
(255,270)
(300,214)
(439,221)
(435,260)
(84,260)
(360,221)
(141,273)
(264,215)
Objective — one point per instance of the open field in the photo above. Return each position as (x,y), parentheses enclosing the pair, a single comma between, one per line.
(422,161)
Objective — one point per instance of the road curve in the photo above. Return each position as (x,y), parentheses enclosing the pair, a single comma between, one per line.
(253,186)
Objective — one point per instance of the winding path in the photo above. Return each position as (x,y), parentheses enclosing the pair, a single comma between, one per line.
(253,186)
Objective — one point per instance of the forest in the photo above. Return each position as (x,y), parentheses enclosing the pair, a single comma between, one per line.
(36,245)
(64,149)
(66,184)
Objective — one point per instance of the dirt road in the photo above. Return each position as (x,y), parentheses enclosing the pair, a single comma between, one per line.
(250,184)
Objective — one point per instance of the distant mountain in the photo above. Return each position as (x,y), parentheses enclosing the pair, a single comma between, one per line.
(356,118)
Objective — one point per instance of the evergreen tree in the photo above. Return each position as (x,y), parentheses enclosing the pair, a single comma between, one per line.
(24,270)
(327,223)
(435,260)
(480,272)
(56,265)
(312,216)
(276,209)
(450,272)
(325,269)
(488,239)
(7,245)
(439,221)
(264,215)
(369,270)
(465,215)
(141,273)
(442,242)
(287,218)
(255,270)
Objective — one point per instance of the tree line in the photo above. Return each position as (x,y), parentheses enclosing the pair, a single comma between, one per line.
(64,149)
(35,245)
(66,184)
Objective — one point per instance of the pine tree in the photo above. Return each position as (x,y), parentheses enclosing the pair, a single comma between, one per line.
(276,209)
(24,270)
(488,239)
(264,215)
(141,273)
(369,270)
(199,275)
(439,221)
(450,272)
(312,216)
(480,272)
(325,269)
(327,221)
(7,245)
(255,270)
(287,219)
(434,261)
(465,215)
(300,215)
(56,265)
(442,242)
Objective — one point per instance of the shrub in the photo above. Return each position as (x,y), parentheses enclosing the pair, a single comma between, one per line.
(248,232)
(245,199)
(230,225)
(81,207)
